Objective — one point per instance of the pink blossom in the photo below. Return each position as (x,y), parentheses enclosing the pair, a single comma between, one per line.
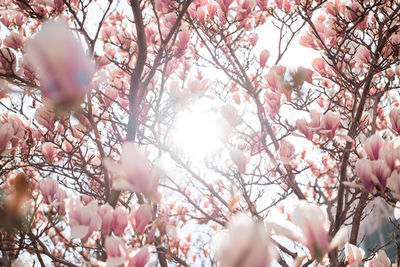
(230,114)
(311,220)
(120,220)
(373,174)
(49,151)
(133,173)
(394,116)
(65,71)
(59,201)
(319,65)
(275,77)
(244,243)
(45,117)
(372,146)
(362,55)
(329,124)
(391,157)
(6,133)
(224,4)
(198,87)
(183,38)
(116,251)
(7,61)
(83,219)
(272,103)
(212,8)
(138,257)
(354,255)
(264,57)
(364,170)
(49,188)
(239,159)
(106,214)
(142,218)
(286,151)
(201,15)
(393,182)
(14,40)
(379,260)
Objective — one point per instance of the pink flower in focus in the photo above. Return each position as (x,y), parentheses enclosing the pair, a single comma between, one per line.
(133,173)
(106,214)
(183,38)
(65,71)
(49,151)
(120,220)
(372,146)
(83,219)
(354,255)
(141,218)
(329,124)
(362,55)
(244,243)
(394,182)
(272,103)
(319,65)
(264,57)
(394,116)
(14,40)
(49,188)
(116,251)
(363,169)
(45,117)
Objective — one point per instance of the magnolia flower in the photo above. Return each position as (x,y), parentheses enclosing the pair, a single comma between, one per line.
(141,218)
(264,57)
(65,71)
(354,255)
(116,251)
(139,257)
(6,133)
(362,55)
(120,220)
(394,116)
(272,103)
(244,243)
(373,174)
(45,117)
(106,214)
(329,124)
(230,114)
(49,151)
(286,151)
(14,40)
(372,146)
(133,173)
(379,260)
(240,160)
(394,182)
(83,219)
(391,157)
(311,220)
(49,188)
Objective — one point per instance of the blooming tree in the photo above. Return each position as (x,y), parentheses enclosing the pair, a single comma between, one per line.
(102,162)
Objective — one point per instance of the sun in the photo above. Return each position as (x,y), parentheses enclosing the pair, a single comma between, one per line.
(198,132)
